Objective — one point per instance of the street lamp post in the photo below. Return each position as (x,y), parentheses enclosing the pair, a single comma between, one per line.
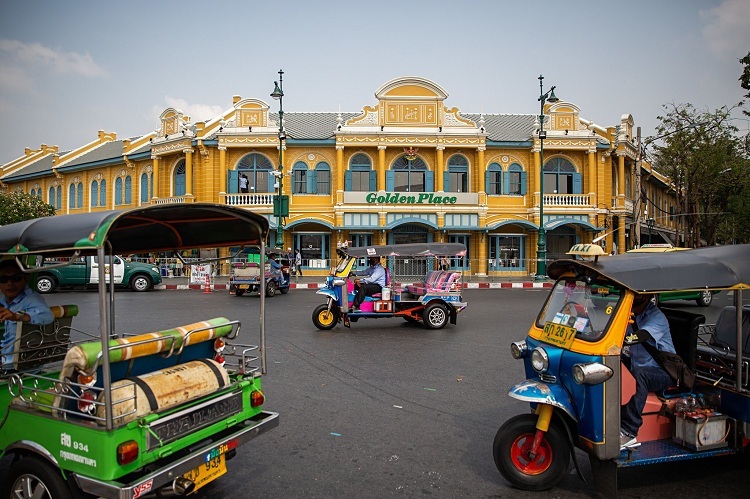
(278,94)
(541,251)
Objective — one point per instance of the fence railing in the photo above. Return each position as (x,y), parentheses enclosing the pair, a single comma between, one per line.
(402,269)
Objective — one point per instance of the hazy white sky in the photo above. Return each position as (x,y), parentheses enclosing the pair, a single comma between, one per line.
(70,68)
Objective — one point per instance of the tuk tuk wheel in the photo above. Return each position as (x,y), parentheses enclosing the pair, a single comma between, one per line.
(511,452)
(435,316)
(270,288)
(239,292)
(34,477)
(323,318)
(705,299)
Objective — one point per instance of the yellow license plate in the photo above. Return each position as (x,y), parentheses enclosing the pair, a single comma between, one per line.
(207,472)
(558,334)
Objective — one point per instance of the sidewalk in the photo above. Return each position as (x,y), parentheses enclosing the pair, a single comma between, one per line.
(314,282)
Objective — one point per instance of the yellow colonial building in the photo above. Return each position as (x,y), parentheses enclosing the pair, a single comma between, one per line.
(406,168)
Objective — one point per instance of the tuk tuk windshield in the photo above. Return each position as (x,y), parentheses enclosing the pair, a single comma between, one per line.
(586,307)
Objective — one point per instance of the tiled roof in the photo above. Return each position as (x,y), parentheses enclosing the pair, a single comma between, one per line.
(311,125)
(42,165)
(505,127)
(108,150)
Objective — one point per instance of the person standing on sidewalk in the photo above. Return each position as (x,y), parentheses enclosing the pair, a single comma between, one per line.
(297,264)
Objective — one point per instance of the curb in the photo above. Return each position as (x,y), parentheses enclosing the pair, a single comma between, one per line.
(468,285)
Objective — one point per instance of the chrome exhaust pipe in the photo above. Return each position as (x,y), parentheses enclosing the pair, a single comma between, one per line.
(182,486)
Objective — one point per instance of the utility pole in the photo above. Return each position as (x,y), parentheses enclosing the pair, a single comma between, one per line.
(636,238)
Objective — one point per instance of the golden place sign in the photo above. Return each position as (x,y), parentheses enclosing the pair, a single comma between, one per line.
(399,198)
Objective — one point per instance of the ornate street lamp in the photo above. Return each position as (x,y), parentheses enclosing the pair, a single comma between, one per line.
(280,204)
(541,251)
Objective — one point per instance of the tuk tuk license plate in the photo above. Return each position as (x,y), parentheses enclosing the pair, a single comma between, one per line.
(558,334)
(207,472)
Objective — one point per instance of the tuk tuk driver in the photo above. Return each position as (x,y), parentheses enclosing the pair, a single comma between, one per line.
(18,303)
(649,375)
(276,267)
(371,284)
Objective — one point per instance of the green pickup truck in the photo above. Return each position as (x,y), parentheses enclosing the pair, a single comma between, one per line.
(85,271)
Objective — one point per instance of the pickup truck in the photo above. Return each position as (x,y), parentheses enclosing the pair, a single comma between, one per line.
(85,271)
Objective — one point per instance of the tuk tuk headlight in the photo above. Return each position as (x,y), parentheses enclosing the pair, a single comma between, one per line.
(518,349)
(593,373)
(339,282)
(539,360)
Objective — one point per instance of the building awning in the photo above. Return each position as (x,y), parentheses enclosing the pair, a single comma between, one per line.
(553,224)
(522,223)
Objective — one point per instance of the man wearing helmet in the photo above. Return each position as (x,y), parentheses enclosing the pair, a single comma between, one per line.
(371,284)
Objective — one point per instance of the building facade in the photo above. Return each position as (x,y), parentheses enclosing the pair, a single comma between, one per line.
(406,168)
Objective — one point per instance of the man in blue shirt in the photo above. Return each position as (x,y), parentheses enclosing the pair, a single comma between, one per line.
(276,268)
(18,303)
(371,284)
(649,375)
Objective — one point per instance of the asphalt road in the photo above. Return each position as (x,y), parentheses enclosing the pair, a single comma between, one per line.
(389,408)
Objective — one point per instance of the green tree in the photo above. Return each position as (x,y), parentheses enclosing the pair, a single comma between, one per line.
(702,154)
(19,206)
(745,79)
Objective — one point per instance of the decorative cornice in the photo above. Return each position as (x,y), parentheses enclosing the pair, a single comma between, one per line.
(165,149)
(244,141)
(129,163)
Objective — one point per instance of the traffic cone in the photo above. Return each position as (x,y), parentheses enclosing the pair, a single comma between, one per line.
(207,285)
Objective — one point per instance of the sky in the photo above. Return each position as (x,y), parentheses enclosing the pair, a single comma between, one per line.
(70,68)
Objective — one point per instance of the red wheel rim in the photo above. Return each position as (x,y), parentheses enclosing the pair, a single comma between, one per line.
(519,455)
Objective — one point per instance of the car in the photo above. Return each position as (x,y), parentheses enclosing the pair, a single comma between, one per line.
(84,271)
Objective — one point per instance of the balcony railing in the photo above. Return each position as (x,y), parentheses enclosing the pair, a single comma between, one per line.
(567,200)
(173,199)
(247,199)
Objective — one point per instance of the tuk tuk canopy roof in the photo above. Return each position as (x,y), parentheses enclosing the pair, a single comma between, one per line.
(414,249)
(147,229)
(716,267)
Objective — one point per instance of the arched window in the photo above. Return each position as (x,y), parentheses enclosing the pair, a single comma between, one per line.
(179,179)
(409,175)
(457,176)
(145,193)
(322,179)
(493,180)
(560,177)
(55,197)
(128,190)
(299,178)
(516,179)
(98,193)
(360,176)
(94,198)
(118,191)
(75,195)
(257,168)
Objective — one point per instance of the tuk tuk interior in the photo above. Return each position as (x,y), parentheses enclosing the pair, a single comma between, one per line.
(572,364)
(64,382)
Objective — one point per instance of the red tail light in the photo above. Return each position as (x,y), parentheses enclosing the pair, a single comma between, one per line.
(257,398)
(127,452)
